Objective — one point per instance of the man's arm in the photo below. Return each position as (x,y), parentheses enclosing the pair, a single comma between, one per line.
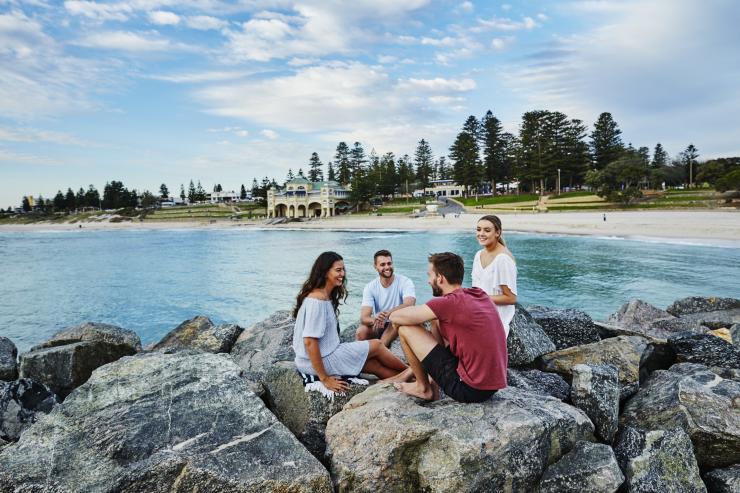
(412,315)
(381,317)
(366,316)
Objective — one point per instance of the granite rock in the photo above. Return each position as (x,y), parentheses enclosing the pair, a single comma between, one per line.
(721,319)
(702,403)
(699,304)
(264,344)
(706,349)
(304,413)
(539,382)
(20,403)
(645,319)
(111,335)
(565,327)
(735,334)
(595,391)
(623,352)
(658,460)
(503,444)
(8,360)
(527,341)
(199,333)
(725,480)
(588,468)
(161,422)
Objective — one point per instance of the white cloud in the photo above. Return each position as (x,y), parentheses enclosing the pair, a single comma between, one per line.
(500,44)
(131,42)
(198,77)
(466,7)
(164,18)
(205,22)
(24,134)
(99,11)
(437,85)
(505,24)
(11,157)
(269,134)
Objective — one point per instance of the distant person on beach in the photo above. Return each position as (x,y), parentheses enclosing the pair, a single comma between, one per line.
(382,296)
(494,268)
(465,352)
(318,350)
(604,217)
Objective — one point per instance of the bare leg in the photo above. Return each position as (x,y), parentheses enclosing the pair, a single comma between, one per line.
(365,333)
(389,335)
(381,362)
(405,376)
(417,343)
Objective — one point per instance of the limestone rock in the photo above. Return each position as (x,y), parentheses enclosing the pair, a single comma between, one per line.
(20,402)
(588,468)
(659,460)
(66,361)
(8,359)
(623,352)
(722,334)
(264,344)
(527,341)
(706,349)
(565,327)
(200,333)
(161,422)
(698,304)
(725,480)
(304,413)
(595,390)
(691,397)
(539,382)
(384,440)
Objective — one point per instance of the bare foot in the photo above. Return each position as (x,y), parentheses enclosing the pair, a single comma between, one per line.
(415,390)
(405,376)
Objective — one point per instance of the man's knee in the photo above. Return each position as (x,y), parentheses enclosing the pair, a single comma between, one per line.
(364,333)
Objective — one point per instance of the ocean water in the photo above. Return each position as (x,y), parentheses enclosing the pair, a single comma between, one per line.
(151,280)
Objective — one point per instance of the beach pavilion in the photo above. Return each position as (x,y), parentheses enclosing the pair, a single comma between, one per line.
(303,198)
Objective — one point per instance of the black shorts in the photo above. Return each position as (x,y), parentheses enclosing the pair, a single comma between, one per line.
(441,364)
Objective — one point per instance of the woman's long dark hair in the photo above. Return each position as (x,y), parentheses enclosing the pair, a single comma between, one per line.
(317,280)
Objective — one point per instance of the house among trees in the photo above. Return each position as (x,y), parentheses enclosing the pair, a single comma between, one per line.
(221,197)
(304,198)
(444,188)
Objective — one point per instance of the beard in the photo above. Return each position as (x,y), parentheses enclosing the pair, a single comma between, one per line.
(388,275)
(436,290)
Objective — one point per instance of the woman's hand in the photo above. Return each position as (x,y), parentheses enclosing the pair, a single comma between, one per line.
(335,384)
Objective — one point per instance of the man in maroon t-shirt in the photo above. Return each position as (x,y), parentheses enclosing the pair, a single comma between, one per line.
(465,353)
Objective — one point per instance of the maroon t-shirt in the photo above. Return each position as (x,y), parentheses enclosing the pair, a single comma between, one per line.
(469,321)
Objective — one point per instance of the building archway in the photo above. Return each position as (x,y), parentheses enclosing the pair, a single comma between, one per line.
(341,207)
(314,209)
(291,211)
(281,210)
(301,211)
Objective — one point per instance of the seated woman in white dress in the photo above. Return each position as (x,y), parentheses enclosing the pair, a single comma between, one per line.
(494,268)
(318,350)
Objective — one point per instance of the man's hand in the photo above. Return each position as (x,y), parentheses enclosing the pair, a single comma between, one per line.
(380,319)
(335,384)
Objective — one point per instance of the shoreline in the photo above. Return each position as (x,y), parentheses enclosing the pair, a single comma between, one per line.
(721,228)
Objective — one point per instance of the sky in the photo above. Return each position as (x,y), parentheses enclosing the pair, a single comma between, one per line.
(165,91)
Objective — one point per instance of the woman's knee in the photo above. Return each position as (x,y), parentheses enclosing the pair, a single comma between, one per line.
(375,347)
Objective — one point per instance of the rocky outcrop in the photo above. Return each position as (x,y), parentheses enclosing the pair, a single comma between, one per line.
(8,360)
(588,468)
(387,441)
(735,334)
(595,391)
(725,480)
(199,333)
(706,349)
(565,327)
(161,422)
(539,382)
(21,402)
(699,304)
(660,460)
(623,352)
(66,361)
(643,318)
(304,413)
(527,341)
(265,343)
(702,403)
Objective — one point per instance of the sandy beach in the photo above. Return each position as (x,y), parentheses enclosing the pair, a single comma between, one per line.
(722,227)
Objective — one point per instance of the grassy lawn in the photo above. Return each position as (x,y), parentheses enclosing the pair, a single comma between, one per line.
(398,209)
(501,199)
(406,202)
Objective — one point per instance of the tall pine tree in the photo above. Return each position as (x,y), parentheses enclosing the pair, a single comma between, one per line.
(314,168)
(424,163)
(660,157)
(341,163)
(606,143)
(493,149)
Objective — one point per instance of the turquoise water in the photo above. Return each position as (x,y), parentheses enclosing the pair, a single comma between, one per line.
(151,280)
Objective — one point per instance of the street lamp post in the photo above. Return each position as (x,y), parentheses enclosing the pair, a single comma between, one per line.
(558,181)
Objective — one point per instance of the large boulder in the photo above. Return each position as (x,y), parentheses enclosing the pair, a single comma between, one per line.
(735,334)
(595,390)
(623,352)
(565,327)
(588,468)
(21,402)
(726,480)
(161,422)
(702,403)
(706,349)
(264,344)
(659,460)
(698,304)
(200,333)
(8,360)
(643,318)
(384,440)
(305,413)
(66,361)
(539,382)
(527,341)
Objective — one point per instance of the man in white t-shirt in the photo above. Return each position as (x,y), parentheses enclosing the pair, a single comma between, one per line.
(381,297)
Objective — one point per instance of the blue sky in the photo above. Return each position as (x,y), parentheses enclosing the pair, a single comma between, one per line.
(153,91)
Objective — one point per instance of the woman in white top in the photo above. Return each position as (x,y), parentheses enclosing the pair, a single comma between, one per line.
(318,350)
(494,268)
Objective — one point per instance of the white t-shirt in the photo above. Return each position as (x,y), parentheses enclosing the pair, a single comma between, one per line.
(502,270)
(380,298)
